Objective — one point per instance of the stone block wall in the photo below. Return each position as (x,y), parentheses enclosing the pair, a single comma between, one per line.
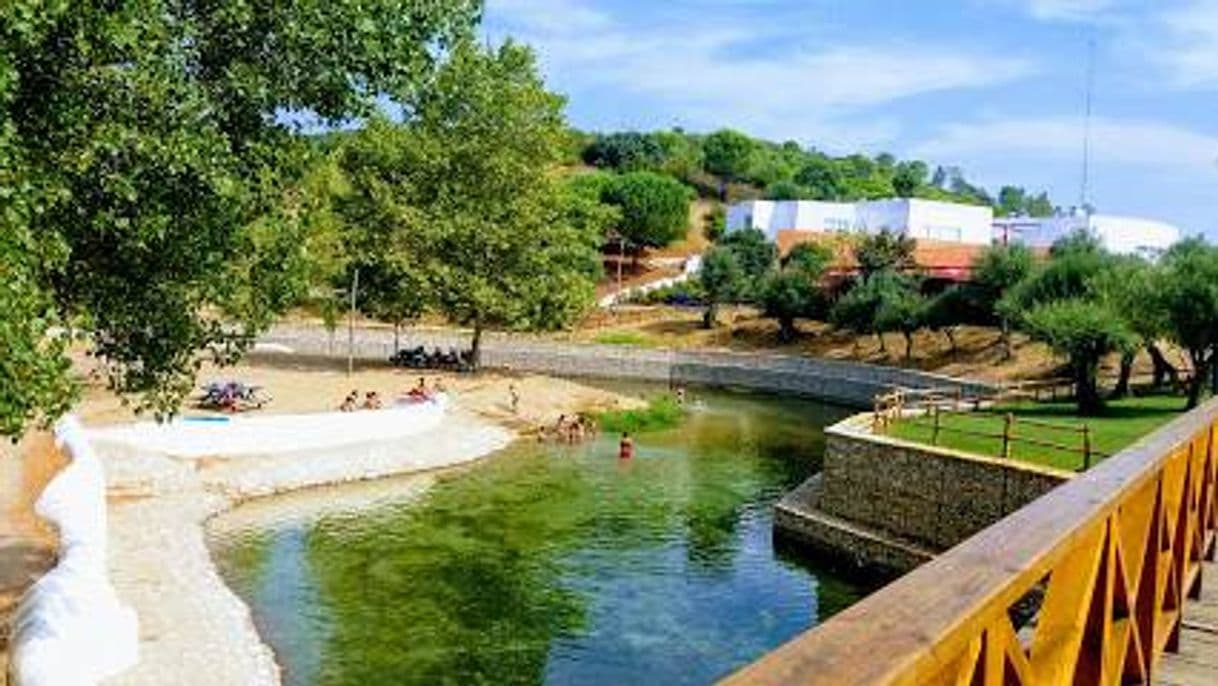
(909,494)
(848,383)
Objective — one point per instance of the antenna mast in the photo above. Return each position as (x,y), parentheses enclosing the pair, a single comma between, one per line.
(1085,190)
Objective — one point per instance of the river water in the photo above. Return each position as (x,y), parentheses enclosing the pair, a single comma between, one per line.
(544,564)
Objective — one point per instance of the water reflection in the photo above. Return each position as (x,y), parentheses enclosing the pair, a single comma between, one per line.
(554,565)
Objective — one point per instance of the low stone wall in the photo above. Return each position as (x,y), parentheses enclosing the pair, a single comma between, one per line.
(909,500)
(849,383)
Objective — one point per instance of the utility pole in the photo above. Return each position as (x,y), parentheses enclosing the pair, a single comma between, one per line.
(351,325)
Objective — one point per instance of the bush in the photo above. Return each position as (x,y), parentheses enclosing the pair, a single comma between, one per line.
(687,293)
(622,338)
(662,412)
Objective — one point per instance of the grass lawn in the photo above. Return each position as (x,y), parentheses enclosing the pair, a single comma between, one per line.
(624,337)
(1122,423)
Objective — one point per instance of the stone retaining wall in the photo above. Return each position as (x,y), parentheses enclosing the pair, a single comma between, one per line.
(917,498)
(849,383)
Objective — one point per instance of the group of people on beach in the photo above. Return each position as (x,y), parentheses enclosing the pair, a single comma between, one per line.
(569,429)
(372,400)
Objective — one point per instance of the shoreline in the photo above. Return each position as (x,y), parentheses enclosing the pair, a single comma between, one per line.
(193,628)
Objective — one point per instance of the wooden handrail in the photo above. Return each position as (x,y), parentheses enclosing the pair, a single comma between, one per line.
(1111,553)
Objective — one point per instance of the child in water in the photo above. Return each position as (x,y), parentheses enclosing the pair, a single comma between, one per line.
(626,447)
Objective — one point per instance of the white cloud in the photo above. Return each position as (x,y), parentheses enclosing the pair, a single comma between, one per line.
(739,75)
(1061,10)
(1188,50)
(1130,142)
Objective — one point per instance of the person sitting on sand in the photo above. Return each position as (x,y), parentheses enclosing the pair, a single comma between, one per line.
(419,392)
(350,403)
(372,401)
(514,399)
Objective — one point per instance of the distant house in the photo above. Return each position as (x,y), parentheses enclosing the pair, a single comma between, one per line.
(921,219)
(1122,235)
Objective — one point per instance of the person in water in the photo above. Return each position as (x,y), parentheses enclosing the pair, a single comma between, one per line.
(625,449)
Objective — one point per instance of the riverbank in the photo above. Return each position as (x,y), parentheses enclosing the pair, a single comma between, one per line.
(192,628)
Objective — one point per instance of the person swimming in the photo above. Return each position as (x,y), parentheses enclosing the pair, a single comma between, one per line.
(625,449)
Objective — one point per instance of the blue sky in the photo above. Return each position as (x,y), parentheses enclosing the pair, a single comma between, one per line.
(993,86)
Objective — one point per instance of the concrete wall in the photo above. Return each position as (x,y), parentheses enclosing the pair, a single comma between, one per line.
(848,383)
(877,489)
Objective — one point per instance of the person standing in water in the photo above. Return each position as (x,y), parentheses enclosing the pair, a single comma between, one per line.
(626,447)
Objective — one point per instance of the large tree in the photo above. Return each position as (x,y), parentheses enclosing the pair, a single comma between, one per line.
(149,168)
(499,244)
(722,279)
(654,208)
(728,154)
(1084,331)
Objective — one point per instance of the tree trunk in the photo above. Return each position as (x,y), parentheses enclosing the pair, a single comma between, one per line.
(710,315)
(950,332)
(1122,386)
(908,345)
(475,352)
(1196,384)
(883,345)
(1086,388)
(1164,370)
(397,337)
(786,329)
(1007,353)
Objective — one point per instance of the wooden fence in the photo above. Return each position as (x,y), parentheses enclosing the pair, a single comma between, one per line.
(1085,585)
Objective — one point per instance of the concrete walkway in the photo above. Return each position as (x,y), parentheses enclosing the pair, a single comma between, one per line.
(1196,664)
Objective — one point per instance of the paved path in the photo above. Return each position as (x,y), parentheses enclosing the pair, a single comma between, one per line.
(1197,662)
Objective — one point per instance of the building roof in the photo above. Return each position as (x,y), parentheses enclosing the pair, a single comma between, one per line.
(939,259)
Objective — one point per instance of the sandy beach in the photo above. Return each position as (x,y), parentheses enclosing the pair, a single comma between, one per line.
(193,629)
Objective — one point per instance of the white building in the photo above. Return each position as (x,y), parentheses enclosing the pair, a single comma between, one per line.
(1122,235)
(942,221)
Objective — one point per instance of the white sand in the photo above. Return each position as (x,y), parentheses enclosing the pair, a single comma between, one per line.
(194,630)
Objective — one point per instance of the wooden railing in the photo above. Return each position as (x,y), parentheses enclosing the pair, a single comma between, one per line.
(1085,585)
(1005,430)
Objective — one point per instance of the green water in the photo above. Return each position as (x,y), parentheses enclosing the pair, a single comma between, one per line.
(553,565)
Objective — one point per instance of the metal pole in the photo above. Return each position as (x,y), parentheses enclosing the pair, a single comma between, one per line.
(351,325)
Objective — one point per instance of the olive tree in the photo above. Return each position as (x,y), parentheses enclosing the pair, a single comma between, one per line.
(722,279)
(793,290)
(1084,331)
(1188,295)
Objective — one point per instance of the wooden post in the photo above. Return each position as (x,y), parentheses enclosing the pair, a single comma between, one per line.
(934,437)
(959,398)
(1009,420)
(1086,447)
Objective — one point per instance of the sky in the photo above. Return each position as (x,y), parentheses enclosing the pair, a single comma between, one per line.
(993,86)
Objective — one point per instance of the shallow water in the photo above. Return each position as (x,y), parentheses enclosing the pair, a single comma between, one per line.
(546,564)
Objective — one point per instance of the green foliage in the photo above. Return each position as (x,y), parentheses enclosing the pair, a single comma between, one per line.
(885,252)
(721,280)
(626,151)
(1014,201)
(884,301)
(1188,298)
(654,208)
(901,308)
(784,189)
(999,269)
(728,153)
(1084,331)
(662,412)
(683,293)
(497,242)
(755,254)
(716,224)
(635,338)
(144,162)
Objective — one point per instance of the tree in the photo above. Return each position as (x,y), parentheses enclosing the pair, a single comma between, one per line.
(820,175)
(996,271)
(885,252)
(499,244)
(793,290)
(1084,331)
(901,308)
(728,154)
(654,208)
(784,189)
(722,279)
(946,311)
(1129,288)
(149,175)
(625,151)
(1188,293)
(755,254)
(909,177)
